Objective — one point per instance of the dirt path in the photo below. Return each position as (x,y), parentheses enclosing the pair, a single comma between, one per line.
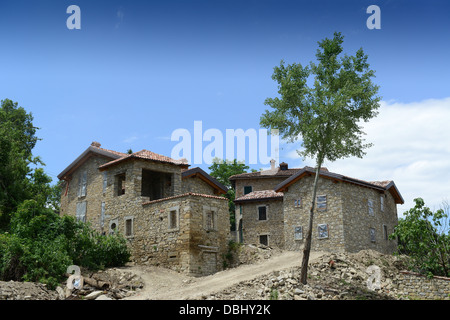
(164,284)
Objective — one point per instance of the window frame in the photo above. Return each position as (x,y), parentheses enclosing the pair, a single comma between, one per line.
(319,203)
(129,234)
(296,233)
(251,190)
(319,232)
(170,226)
(258,214)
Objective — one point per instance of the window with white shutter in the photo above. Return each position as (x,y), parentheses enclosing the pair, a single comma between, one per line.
(81,211)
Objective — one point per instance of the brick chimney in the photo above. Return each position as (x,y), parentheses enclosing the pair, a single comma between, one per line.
(96,144)
(283,166)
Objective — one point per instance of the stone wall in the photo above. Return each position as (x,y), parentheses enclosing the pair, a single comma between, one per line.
(358,221)
(417,286)
(346,217)
(258,184)
(196,185)
(253,228)
(93,196)
(115,205)
(330,217)
(191,246)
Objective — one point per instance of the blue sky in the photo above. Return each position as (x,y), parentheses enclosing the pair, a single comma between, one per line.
(138,70)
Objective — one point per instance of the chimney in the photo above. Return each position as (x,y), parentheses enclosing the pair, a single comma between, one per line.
(96,144)
(272,164)
(283,166)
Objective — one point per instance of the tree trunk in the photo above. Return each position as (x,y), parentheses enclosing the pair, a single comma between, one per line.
(307,247)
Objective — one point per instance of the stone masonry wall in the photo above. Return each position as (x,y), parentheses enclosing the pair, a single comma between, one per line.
(188,247)
(196,185)
(273,226)
(330,218)
(266,183)
(94,195)
(417,286)
(358,221)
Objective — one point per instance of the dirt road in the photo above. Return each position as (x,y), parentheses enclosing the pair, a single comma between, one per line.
(164,284)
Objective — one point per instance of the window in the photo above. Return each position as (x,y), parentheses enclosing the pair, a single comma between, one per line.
(322,203)
(323,231)
(370,205)
(382,203)
(82,184)
(113,224)
(298,233)
(264,239)
(120,184)
(210,220)
(247,189)
(128,226)
(262,213)
(372,234)
(81,211)
(385,232)
(173,219)
(102,215)
(298,203)
(105,180)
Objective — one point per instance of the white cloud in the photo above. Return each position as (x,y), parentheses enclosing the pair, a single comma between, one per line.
(411,146)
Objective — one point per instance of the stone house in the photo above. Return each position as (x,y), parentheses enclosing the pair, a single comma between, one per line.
(272,208)
(170,215)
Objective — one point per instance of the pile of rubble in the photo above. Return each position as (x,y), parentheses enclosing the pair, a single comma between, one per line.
(111,284)
(249,254)
(12,290)
(334,276)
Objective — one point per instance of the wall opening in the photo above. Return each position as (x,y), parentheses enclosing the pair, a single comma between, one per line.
(156,185)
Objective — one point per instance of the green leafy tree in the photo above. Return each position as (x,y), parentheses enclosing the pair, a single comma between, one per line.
(323,115)
(222,171)
(423,236)
(21,178)
(17,139)
(42,245)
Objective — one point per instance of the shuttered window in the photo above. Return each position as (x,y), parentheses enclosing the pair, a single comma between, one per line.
(82,184)
(81,211)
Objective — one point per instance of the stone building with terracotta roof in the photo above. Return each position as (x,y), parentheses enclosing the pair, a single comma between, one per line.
(170,215)
(272,208)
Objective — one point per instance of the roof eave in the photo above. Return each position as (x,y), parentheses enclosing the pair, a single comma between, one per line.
(83,157)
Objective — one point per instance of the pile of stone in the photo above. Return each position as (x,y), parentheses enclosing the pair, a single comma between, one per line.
(111,284)
(12,290)
(335,276)
(249,253)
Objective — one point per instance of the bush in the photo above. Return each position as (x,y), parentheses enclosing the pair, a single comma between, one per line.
(42,245)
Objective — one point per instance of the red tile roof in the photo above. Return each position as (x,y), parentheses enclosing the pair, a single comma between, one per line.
(146,155)
(260,195)
(185,195)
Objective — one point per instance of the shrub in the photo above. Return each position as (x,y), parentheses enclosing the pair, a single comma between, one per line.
(42,245)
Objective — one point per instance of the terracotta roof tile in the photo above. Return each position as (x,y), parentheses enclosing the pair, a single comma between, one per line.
(260,195)
(146,155)
(185,195)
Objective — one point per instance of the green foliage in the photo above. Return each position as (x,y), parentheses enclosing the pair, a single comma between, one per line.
(42,245)
(222,171)
(18,181)
(326,115)
(421,235)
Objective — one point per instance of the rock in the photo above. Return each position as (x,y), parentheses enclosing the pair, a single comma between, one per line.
(103,297)
(93,295)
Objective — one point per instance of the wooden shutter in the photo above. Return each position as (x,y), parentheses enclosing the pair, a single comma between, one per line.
(81,211)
